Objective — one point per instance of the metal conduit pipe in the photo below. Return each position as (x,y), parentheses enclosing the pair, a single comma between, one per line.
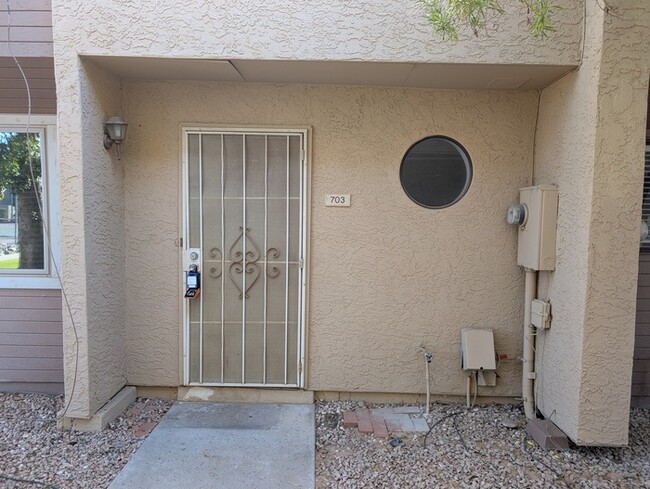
(528,370)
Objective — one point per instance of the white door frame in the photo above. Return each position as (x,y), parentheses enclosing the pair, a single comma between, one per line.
(305,187)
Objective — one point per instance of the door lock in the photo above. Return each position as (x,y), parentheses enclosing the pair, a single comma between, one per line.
(192,282)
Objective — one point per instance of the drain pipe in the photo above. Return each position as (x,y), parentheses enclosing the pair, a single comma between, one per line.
(428,357)
(528,374)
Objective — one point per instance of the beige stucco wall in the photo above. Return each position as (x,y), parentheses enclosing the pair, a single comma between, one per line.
(92,237)
(382,30)
(386,275)
(590,142)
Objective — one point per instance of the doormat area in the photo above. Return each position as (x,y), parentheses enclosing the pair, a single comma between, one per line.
(207,445)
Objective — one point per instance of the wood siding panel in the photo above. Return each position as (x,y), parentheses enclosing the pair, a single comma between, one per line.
(30,376)
(53,302)
(30,73)
(31,314)
(640,378)
(31,339)
(49,85)
(644,278)
(31,364)
(30,293)
(13,94)
(642,341)
(641,368)
(641,353)
(14,351)
(31,29)
(26,18)
(27,34)
(45,327)
(31,38)
(44,387)
(16,5)
(37,93)
(27,49)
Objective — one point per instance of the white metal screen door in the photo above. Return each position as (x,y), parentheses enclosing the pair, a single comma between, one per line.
(244,216)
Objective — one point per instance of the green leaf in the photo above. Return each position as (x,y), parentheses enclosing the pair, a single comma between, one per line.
(448,16)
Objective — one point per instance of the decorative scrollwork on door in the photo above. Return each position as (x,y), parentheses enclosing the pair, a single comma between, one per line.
(272,272)
(215,272)
(248,264)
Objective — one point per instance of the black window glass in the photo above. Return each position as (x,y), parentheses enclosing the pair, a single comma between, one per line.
(436,172)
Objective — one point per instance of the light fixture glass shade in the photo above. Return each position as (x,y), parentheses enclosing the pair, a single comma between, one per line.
(116,129)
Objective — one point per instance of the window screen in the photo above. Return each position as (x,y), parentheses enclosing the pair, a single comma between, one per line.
(436,172)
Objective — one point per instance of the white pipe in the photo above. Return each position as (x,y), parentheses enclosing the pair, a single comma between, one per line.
(426,364)
(469,389)
(528,370)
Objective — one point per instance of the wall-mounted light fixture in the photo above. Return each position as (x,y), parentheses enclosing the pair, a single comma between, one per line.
(114,132)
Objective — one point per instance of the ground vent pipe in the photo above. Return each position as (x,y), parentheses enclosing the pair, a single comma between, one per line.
(528,370)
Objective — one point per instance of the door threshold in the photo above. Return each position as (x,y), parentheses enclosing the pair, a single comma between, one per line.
(245,394)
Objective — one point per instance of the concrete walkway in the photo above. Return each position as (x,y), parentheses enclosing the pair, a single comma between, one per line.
(226,446)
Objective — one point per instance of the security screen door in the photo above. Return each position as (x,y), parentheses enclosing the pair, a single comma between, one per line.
(245,208)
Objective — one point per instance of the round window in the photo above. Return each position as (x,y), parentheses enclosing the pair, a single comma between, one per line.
(436,172)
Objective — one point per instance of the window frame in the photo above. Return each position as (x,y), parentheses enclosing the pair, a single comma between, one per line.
(469,166)
(45,278)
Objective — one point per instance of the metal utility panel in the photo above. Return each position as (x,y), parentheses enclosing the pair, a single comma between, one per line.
(537,233)
(477,349)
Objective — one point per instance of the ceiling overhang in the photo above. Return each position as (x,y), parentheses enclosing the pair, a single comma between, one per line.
(451,76)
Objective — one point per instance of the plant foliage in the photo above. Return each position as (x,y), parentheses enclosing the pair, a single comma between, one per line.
(15,150)
(447,16)
(20,174)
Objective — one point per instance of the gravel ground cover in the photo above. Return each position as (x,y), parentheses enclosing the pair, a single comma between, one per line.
(472,449)
(33,449)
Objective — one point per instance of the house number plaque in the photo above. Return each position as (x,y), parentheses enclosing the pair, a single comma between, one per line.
(337,200)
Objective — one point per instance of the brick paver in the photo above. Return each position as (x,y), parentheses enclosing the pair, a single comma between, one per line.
(363,419)
(379,426)
(350,419)
(136,409)
(393,425)
(404,421)
(144,429)
(420,425)
(382,421)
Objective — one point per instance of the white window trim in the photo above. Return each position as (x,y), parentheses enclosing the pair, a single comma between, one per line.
(47,124)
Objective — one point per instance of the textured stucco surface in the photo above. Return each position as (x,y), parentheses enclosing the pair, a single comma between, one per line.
(382,30)
(92,237)
(386,275)
(590,142)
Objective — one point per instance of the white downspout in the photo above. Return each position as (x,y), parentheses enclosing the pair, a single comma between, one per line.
(528,374)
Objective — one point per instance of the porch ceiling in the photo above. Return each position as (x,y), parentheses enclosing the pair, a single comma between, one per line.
(410,75)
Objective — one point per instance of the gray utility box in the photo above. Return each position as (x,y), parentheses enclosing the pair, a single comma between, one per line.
(537,233)
(477,349)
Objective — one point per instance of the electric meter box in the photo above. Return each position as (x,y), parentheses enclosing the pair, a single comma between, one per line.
(537,233)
